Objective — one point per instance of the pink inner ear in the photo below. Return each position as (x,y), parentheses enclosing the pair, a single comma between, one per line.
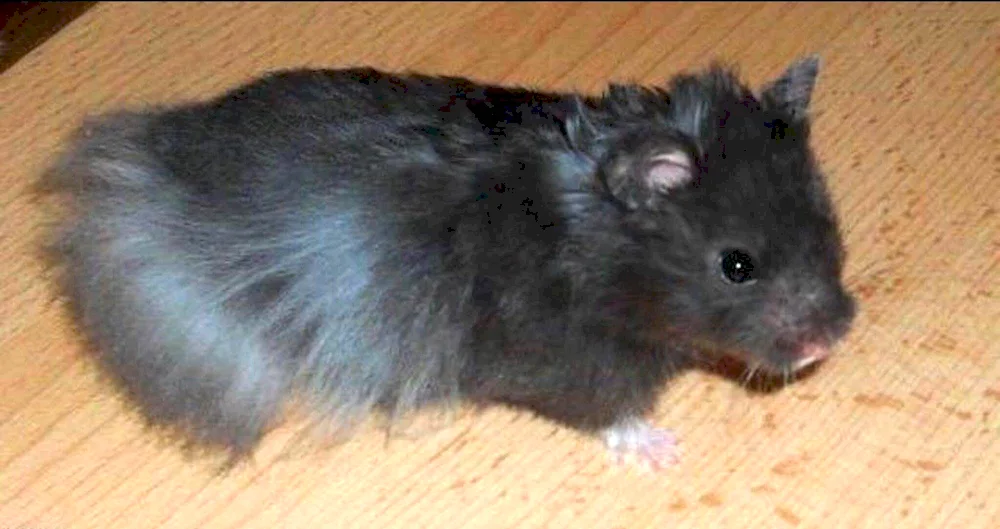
(669,171)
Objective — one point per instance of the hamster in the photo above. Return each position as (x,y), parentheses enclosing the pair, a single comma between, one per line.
(378,243)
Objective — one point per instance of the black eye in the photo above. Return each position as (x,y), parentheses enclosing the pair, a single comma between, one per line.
(737,266)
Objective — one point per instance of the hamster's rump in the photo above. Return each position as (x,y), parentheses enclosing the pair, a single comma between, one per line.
(288,235)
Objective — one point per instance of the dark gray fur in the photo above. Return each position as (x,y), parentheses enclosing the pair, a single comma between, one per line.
(378,242)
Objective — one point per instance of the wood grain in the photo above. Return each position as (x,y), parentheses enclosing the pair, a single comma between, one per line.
(901,430)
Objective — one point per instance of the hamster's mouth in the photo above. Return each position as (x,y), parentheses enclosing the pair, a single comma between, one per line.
(809,354)
(782,363)
(792,360)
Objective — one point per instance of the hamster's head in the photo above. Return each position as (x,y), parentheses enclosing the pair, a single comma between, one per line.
(724,200)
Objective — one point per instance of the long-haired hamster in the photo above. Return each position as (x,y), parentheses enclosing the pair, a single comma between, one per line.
(375,243)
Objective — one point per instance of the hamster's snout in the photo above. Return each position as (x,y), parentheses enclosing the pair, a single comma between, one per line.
(808,322)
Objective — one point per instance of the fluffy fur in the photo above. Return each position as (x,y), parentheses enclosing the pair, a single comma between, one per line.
(380,243)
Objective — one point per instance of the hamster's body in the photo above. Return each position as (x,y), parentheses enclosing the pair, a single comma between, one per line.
(379,242)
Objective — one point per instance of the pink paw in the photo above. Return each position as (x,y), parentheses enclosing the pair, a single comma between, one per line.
(651,448)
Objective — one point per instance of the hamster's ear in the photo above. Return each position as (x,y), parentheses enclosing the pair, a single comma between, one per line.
(641,181)
(669,170)
(792,91)
(581,129)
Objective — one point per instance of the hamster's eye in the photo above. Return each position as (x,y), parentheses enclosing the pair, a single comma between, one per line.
(737,266)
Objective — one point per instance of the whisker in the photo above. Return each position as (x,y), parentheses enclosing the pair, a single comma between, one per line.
(748,375)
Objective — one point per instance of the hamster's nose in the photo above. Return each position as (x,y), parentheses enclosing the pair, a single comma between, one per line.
(834,315)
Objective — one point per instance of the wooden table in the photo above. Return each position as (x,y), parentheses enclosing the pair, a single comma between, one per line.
(901,430)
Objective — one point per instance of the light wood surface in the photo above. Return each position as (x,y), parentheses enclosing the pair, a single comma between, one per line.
(900,430)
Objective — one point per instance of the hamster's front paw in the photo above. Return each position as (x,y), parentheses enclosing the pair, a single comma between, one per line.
(635,439)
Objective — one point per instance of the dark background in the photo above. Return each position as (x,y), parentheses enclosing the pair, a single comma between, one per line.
(25,25)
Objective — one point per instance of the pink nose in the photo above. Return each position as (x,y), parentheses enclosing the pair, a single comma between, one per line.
(810,354)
